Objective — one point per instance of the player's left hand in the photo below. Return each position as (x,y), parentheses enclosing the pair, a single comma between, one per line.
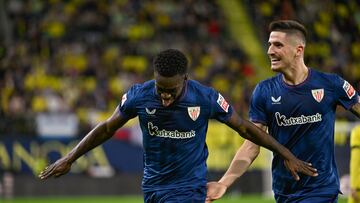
(296,166)
(215,190)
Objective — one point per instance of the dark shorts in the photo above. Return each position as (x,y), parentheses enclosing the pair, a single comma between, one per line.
(180,195)
(306,199)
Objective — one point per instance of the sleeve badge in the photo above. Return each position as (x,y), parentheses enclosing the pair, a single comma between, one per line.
(350,91)
(223,103)
(123,99)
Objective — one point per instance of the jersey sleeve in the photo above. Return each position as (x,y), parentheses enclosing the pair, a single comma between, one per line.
(221,110)
(257,113)
(346,94)
(128,102)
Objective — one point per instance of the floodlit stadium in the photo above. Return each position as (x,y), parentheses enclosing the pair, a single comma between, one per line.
(65,66)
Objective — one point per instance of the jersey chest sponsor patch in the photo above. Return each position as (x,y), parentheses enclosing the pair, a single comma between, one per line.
(173,134)
(350,91)
(282,120)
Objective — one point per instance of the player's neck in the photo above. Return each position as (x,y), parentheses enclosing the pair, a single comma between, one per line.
(296,75)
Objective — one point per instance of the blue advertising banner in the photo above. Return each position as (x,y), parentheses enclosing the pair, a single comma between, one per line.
(31,155)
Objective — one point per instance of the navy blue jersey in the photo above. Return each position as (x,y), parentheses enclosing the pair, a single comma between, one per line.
(302,118)
(175,151)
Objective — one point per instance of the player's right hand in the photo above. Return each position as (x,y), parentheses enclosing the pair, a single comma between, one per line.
(296,166)
(57,169)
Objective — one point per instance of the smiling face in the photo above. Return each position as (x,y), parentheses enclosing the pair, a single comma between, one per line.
(169,88)
(283,50)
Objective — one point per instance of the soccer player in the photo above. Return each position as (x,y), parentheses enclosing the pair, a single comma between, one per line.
(173,112)
(297,106)
(355,166)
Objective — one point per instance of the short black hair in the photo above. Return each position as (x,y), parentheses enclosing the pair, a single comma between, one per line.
(289,26)
(170,62)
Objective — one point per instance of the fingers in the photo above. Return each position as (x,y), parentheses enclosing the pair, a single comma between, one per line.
(300,167)
(293,167)
(46,173)
(306,169)
(215,191)
(295,175)
(49,172)
(309,170)
(57,169)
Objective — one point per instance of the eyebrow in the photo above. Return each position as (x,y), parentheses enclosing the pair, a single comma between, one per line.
(157,86)
(166,89)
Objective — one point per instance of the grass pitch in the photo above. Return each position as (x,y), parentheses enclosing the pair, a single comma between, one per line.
(133,199)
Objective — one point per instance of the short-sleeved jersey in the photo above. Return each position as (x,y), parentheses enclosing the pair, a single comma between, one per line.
(302,118)
(175,151)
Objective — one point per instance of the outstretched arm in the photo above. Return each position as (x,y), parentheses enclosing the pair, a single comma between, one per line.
(249,151)
(243,158)
(355,109)
(102,132)
(256,135)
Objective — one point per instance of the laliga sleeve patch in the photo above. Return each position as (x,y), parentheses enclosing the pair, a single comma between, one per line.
(123,99)
(223,103)
(350,91)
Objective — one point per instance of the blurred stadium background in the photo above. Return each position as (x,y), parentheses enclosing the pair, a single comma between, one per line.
(65,64)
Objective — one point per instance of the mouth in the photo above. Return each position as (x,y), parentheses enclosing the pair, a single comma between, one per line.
(274,61)
(167,102)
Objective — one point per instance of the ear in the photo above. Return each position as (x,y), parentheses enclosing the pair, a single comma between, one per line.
(300,50)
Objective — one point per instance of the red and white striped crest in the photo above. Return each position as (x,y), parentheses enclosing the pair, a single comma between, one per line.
(194,112)
(318,94)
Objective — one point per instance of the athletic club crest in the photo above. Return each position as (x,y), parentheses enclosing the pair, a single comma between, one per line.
(318,94)
(194,112)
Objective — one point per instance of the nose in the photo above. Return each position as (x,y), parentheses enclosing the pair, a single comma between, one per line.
(270,51)
(165,95)
(166,99)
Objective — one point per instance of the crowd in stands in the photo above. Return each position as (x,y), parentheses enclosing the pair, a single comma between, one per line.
(333,41)
(333,31)
(80,56)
